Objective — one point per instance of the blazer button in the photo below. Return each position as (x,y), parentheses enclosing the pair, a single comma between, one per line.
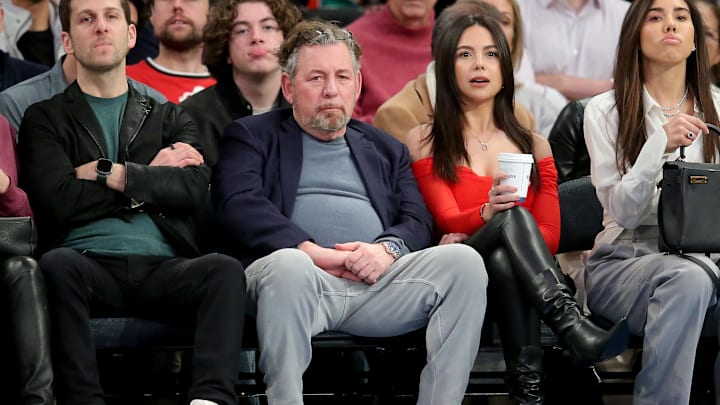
(161,215)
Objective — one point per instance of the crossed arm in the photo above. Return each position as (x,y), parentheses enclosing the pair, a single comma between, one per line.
(65,193)
(573,87)
(178,154)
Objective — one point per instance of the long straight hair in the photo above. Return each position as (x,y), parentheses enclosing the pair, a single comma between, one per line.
(448,126)
(715,9)
(629,90)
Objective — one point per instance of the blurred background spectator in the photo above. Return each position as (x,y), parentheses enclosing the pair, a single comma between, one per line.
(32,31)
(571,43)
(146,45)
(14,70)
(241,39)
(395,42)
(177,72)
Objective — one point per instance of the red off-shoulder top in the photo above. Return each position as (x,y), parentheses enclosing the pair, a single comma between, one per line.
(456,206)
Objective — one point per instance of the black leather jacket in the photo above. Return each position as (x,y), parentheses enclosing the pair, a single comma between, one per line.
(567,141)
(62,133)
(215,107)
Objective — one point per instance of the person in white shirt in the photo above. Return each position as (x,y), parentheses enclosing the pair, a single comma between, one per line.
(571,43)
(661,100)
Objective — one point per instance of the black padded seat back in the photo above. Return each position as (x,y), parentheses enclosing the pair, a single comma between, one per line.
(580,215)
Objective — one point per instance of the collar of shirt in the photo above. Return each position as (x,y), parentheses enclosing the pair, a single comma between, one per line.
(563,3)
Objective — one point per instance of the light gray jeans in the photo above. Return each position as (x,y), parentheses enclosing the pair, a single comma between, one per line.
(668,300)
(443,288)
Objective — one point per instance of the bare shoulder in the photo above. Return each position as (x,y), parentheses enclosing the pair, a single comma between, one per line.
(541,147)
(417,144)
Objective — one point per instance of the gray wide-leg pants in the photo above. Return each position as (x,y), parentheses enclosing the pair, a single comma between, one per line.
(667,299)
(443,288)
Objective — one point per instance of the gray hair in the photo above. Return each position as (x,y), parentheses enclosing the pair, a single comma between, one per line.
(311,33)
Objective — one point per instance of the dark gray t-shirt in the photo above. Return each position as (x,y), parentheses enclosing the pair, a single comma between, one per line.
(332,204)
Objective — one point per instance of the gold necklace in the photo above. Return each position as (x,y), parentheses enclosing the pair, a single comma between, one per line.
(483,144)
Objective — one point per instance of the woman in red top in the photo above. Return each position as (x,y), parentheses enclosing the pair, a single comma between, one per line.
(22,288)
(455,163)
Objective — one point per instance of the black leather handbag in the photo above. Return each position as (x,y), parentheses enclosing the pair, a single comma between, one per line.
(18,236)
(689,209)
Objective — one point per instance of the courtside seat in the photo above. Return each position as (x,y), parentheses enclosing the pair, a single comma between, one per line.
(342,364)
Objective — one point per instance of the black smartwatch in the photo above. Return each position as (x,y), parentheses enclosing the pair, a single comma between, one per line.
(103,169)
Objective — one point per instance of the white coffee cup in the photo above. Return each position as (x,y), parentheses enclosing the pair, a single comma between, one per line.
(518,167)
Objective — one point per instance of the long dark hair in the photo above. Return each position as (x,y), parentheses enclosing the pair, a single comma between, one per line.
(446,135)
(629,90)
(715,9)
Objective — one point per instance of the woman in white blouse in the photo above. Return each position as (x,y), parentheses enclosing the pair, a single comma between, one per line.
(662,96)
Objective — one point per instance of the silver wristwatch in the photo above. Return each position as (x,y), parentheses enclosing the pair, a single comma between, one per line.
(392,248)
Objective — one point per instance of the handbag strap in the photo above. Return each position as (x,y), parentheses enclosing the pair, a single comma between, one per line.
(711,127)
(708,270)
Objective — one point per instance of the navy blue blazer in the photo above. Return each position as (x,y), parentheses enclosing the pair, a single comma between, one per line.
(256,180)
(13,70)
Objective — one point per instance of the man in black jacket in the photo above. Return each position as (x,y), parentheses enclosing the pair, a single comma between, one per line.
(241,39)
(114,179)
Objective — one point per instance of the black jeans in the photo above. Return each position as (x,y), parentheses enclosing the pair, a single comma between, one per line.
(207,292)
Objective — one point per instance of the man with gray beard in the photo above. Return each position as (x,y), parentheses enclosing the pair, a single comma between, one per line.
(326,212)
(178,71)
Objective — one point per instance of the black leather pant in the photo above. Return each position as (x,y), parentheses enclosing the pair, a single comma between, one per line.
(511,243)
(516,318)
(540,283)
(24,288)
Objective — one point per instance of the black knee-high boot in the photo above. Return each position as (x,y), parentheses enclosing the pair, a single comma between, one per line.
(519,328)
(525,377)
(24,285)
(536,271)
